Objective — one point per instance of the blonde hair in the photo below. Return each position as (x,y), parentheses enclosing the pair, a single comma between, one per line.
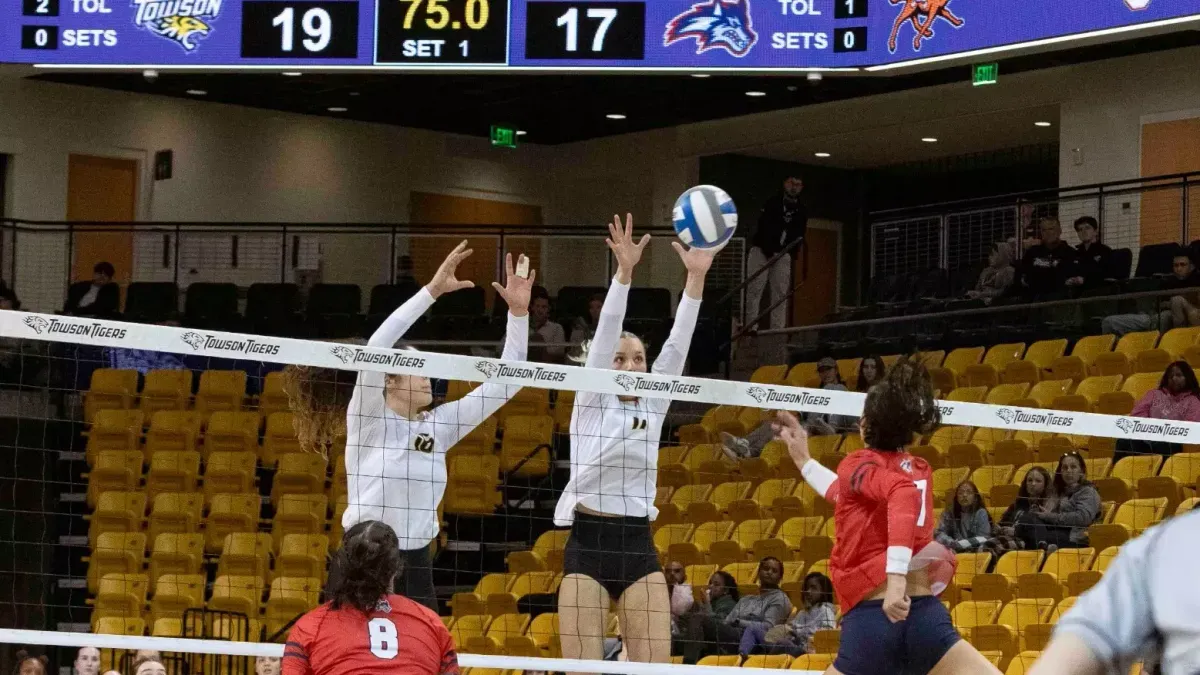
(319,399)
(586,346)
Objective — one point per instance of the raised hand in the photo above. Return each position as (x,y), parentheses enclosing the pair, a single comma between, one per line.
(620,242)
(516,289)
(443,280)
(789,430)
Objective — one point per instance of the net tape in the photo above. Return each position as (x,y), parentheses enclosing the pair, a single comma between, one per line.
(123,335)
(255,649)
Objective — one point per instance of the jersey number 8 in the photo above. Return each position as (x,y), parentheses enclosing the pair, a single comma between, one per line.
(385,641)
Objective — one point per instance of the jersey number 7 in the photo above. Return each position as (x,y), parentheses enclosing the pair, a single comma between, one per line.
(923,488)
(385,639)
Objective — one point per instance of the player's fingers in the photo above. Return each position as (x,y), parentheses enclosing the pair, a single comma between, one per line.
(611,245)
(629,226)
(614,228)
(464,284)
(642,243)
(499,289)
(532,276)
(678,247)
(508,266)
(463,255)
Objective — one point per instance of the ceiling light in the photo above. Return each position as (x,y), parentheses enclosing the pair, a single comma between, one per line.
(756,94)
(292,73)
(197,92)
(929,139)
(1041,124)
(336,108)
(521,132)
(822,155)
(701,75)
(615,116)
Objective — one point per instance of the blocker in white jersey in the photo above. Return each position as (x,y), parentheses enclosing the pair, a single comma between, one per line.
(396,448)
(609,500)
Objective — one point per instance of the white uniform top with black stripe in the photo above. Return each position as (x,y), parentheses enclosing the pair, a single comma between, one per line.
(614,443)
(1147,602)
(396,467)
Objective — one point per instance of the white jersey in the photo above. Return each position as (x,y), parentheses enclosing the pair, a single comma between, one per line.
(396,467)
(1148,602)
(614,443)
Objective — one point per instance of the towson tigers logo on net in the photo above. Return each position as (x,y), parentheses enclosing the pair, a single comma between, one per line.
(1164,429)
(180,21)
(1043,418)
(634,384)
(765,395)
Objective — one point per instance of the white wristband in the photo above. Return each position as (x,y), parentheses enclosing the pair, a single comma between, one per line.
(898,559)
(818,476)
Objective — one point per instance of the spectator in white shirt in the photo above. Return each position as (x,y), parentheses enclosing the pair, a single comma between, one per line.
(680,593)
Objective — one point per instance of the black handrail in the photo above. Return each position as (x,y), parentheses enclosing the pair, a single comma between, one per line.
(787,250)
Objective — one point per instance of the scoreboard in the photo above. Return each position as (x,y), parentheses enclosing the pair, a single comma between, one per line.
(565,35)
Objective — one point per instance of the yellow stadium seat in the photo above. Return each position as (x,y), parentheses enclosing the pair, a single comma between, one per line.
(528,402)
(110,389)
(1138,514)
(166,390)
(1022,663)
(472,485)
(505,602)
(228,472)
(1010,625)
(177,512)
(474,602)
(175,553)
(564,404)
(298,473)
(274,396)
(696,550)
(669,535)
(945,481)
(1187,505)
(998,584)
(119,430)
(714,505)
(997,358)
(279,438)
(767,661)
(1051,581)
(1043,353)
(740,545)
(540,638)
(457,389)
(174,594)
(817,662)
(245,554)
(968,394)
(237,594)
(986,438)
(115,553)
(958,360)
(117,512)
(1132,469)
(302,556)
(961,454)
(237,629)
(1176,341)
(229,513)
(111,625)
(173,471)
(525,448)
(1093,387)
(803,375)
(221,390)
(760,503)
(685,495)
(1004,394)
(987,477)
(547,553)
(481,440)
(947,436)
(288,598)
(230,431)
(173,430)
(1139,384)
(166,627)
(971,613)
(120,595)
(118,470)
(299,514)
(1098,468)
(969,565)
(1132,343)
(1046,391)
(769,374)
(498,631)
(726,660)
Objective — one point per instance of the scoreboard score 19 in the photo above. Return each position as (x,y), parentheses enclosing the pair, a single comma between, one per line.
(569,35)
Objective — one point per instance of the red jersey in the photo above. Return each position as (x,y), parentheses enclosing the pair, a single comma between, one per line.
(883,512)
(400,637)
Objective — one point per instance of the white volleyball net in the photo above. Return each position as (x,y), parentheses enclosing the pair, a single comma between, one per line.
(182,484)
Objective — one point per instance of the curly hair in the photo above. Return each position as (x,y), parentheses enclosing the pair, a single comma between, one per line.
(366,564)
(318,399)
(899,406)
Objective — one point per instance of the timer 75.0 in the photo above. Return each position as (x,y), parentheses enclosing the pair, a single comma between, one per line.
(442,31)
(299,30)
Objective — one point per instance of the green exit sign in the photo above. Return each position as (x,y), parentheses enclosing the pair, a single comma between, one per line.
(504,137)
(985,73)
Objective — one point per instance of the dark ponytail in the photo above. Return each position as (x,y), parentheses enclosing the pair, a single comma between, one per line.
(366,564)
(899,405)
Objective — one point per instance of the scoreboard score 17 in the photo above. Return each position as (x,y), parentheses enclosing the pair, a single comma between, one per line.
(566,35)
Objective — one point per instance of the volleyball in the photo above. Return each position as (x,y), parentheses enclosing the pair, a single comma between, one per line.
(705,216)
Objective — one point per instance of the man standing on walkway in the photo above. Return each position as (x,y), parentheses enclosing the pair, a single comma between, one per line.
(783,220)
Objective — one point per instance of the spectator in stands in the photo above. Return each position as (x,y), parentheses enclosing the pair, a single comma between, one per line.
(717,600)
(680,593)
(1177,312)
(997,277)
(781,223)
(99,298)
(150,667)
(267,665)
(707,635)
(1176,398)
(87,661)
(1093,262)
(795,637)
(966,525)
(1064,522)
(584,327)
(28,664)
(870,370)
(542,329)
(1016,524)
(1046,266)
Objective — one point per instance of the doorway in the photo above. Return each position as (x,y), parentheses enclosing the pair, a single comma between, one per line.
(101,190)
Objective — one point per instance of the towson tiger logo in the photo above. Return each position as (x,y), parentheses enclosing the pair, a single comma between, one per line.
(487,368)
(625,381)
(37,323)
(180,21)
(423,443)
(343,354)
